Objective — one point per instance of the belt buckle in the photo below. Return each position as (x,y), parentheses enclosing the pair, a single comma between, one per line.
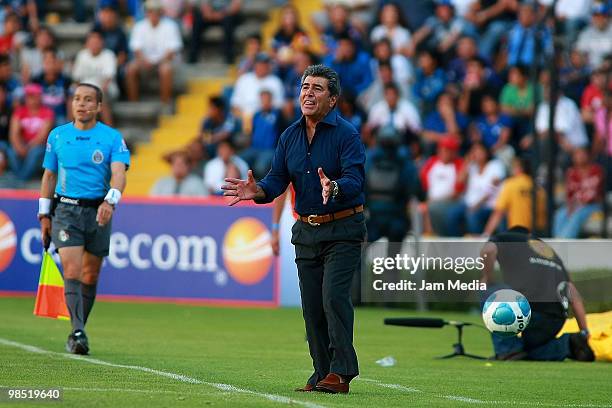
(311,222)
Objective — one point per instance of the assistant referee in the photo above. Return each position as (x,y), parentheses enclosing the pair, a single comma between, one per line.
(85,164)
(323,157)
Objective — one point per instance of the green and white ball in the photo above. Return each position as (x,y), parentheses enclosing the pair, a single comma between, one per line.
(506,312)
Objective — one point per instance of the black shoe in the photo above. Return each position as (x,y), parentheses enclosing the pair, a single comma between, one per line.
(580,349)
(77,343)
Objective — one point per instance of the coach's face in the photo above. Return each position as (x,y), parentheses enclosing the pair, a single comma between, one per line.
(315,99)
(85,105)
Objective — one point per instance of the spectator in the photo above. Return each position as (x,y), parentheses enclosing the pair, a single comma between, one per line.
(522,39)
(395,112)
(31,58)
(181,182)
(156,43)
(402,69)
(226,164)
(348,109)
(55,86)
(208,13)
(602,142)
(483,176)
(30,125)
(493,19)
(573,16)
(466,50)
(514,201)
(252,47)
(288,39)
(9,81)
(430,82)
(478,81)
(584,195)
(9,40)
(27,12)
(96,65)
(289,114)
(392,27)
(574,75)
(594,40)
(245,97)
(440,31)
(264,136)
(109,24)
(293,78)
(517,100)
(493,129)
(569,127)
(592,98)
(375,93)
(444,120)
(218,126)
(339,26)
(351,64)
(415,13)
(440,180)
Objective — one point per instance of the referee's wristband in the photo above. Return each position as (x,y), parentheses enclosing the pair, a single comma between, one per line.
(275,226)
(44,206)
(113,196)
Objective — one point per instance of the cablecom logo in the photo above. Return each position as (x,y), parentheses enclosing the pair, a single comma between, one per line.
(8,241)
(247,253)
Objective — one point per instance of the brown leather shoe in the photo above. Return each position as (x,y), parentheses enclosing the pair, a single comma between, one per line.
(306,388)
(333,384)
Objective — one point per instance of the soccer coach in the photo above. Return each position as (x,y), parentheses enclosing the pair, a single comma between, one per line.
(85,164)
(323,157)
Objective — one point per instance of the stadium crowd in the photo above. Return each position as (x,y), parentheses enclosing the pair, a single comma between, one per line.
(441,92)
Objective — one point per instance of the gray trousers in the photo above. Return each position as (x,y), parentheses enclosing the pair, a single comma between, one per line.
(327,258)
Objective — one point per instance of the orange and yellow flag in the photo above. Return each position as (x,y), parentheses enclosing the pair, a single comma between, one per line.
(50,296)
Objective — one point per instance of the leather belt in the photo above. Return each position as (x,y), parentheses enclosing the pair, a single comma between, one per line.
(316,220)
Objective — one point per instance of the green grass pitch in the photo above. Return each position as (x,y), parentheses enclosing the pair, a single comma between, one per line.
(255,358)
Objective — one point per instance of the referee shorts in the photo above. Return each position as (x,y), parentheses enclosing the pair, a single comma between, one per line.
(73,225)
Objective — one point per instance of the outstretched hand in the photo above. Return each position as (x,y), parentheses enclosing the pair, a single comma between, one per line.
(240,189)
(326,186)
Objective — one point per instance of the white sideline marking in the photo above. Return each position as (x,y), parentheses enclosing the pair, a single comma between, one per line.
(392,386)
(464,399)
(174,376)
(468,400)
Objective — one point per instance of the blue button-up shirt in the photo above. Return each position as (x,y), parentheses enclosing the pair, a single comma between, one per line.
(336,147)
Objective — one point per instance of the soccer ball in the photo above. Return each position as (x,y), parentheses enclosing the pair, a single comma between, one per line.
(506,312)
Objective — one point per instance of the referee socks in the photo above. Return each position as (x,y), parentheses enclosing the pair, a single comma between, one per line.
(74,301)
(89,297)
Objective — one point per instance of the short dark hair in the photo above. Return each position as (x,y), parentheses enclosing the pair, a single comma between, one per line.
(521,69)
(5,59)
(254,36)
(385,64)
(217,102)
(322,71)
(392,86)
(99,93)
(525,162)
